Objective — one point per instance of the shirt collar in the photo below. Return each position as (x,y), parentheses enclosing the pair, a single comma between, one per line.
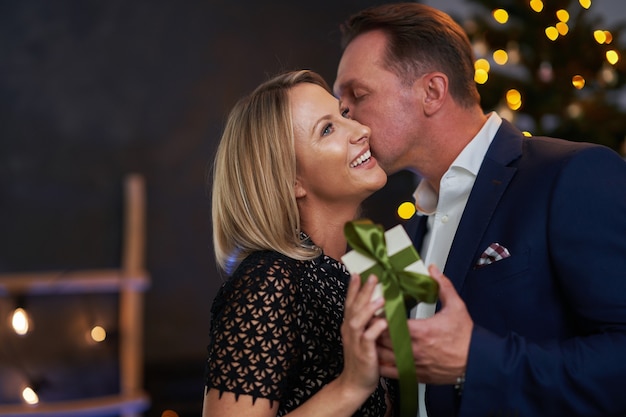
(470,159)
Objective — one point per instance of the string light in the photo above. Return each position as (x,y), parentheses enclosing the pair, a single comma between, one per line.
(500,57)
(578,81)
(514,99)
(599,36)
(481,70)
(536,5)
(98,334)
(609,37)
(526,133)
(562,28)
(585,3)
(612,56)
(500,15)
(562,15)
(29,395)
(19,321)
(406,210)
(552,33)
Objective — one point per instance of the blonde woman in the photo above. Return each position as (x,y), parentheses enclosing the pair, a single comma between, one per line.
(290,330)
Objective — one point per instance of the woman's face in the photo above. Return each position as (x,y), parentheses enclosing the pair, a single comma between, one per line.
(333,159)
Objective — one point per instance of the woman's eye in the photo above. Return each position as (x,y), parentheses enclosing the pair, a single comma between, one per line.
(328,129)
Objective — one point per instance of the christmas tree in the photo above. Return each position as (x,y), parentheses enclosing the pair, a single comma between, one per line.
(552,68)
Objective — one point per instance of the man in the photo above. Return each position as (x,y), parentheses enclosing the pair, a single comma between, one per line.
(530,231)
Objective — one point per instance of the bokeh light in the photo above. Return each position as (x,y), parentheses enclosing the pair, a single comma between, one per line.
(536,5)
(98,334)
(513,99)
(552,33)
(578,81)
(30,396)
(585,3)
(500,15)
(500,57)
(562,28)
(562,15)
(612,56)
(406,210)
(20,321)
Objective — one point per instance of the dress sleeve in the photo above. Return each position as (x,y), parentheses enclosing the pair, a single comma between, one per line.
(254,325)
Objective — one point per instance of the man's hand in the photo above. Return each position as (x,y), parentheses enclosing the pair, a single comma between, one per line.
(440,343)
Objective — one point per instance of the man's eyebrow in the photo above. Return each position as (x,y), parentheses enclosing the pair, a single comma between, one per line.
(343,86)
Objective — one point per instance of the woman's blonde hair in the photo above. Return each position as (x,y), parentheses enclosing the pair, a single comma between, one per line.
(254,174)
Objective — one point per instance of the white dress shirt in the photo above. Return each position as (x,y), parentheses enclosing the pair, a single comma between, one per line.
(444,211)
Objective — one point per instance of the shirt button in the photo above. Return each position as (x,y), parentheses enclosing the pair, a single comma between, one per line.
(444,218)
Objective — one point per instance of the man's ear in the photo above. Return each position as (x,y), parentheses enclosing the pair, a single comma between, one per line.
(435,87)
(299,189)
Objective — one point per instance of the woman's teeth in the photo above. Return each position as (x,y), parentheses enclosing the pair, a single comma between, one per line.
(361,159)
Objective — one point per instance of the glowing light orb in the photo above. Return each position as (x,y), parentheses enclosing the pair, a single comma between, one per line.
(500,57)
(536,5)
(612,56)
(500,15)
(578,81)
(599,36)
(552,33)
(406,210)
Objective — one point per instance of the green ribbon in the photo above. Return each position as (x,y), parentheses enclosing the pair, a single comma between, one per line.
(399,286)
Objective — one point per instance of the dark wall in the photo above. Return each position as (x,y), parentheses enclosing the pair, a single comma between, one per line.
(93,90)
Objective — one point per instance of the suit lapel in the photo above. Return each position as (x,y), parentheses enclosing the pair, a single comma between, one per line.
(492,180)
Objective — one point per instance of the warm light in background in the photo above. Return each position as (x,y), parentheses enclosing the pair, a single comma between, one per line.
(574,110)
(585,3)
(482,64)
(169,413)
(30,396)
(20,321)
(536,5)
(578,81)
(562,28)
(599,36)
(406,210)
(481,73)
(500,15)
(562,15)
(98,334)
(514,99)
(500,57)
(481,76)
(552,33)
(526,133)
(609,37)
(612,56)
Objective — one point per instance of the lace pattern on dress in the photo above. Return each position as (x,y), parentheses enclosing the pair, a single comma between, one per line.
(275,331)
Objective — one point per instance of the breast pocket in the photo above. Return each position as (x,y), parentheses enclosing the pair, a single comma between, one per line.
(516,264)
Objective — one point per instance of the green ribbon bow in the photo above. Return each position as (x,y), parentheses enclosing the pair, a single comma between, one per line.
(398,286)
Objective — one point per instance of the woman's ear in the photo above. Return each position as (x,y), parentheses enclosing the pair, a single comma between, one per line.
(299,189)
(435,87)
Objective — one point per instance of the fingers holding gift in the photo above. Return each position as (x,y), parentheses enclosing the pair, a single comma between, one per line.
(440,343)
(360,332)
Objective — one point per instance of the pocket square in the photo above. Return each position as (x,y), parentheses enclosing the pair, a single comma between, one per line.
(495,252)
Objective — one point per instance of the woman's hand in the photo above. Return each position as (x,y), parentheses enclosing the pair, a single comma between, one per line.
(359,332)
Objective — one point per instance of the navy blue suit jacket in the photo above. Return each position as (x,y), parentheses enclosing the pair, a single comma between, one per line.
(549,334)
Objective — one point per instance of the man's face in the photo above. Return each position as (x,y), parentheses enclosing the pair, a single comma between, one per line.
(376,97)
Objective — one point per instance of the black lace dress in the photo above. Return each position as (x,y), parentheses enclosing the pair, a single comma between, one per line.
(275,331)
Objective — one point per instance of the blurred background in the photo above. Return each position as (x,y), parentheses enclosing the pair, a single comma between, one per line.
(93,91)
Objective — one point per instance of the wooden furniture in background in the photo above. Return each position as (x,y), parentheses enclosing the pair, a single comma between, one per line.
(130,281)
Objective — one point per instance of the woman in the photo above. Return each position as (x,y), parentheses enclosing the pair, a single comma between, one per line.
(290,170)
